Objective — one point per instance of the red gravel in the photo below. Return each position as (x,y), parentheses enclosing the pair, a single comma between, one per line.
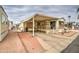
(30,43)
(12,44)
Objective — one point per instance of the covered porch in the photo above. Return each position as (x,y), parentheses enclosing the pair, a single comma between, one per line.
(42,23)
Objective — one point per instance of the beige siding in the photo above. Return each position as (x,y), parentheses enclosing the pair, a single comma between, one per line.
(3,24)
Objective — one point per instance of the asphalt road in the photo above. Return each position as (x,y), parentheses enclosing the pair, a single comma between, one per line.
(73,47)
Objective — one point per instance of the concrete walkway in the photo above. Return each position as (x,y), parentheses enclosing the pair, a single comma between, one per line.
(56,43)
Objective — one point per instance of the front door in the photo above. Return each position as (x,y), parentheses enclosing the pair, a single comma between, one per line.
(52,25)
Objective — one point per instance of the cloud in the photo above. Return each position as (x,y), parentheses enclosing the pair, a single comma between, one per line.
(20,12)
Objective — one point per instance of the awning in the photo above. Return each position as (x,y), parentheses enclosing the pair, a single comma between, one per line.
(40,17)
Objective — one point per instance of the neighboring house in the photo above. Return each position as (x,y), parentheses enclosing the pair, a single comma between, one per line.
(42,23)
(3,23)
(10,25)
(70,25)
(21,27)
(77,26)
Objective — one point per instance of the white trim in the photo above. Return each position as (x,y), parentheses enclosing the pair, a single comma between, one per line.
(33,26)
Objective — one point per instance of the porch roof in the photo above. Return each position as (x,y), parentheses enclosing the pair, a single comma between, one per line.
(40,17)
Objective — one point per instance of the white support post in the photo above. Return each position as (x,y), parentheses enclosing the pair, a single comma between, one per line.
(57,25)
(33,26)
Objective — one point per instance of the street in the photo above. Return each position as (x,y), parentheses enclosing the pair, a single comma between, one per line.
(73,47)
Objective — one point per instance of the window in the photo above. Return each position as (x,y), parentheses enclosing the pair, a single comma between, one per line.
(3,18)
(6,21)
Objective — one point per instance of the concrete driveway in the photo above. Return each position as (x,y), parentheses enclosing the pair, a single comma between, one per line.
(56,42)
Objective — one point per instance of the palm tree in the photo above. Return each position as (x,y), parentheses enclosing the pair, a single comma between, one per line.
(78,13)
(78,10)
(69,21)
(69,18)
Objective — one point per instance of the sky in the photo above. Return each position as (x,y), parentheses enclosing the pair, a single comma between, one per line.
(17,13)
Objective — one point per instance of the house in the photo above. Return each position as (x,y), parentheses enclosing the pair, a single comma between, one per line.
(42,23)
(3,23)
(10,25)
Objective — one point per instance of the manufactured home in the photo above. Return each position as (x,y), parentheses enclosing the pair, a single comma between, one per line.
(42,23)
(3,23)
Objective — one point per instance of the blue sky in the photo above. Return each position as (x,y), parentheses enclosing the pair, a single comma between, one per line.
(17,13)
